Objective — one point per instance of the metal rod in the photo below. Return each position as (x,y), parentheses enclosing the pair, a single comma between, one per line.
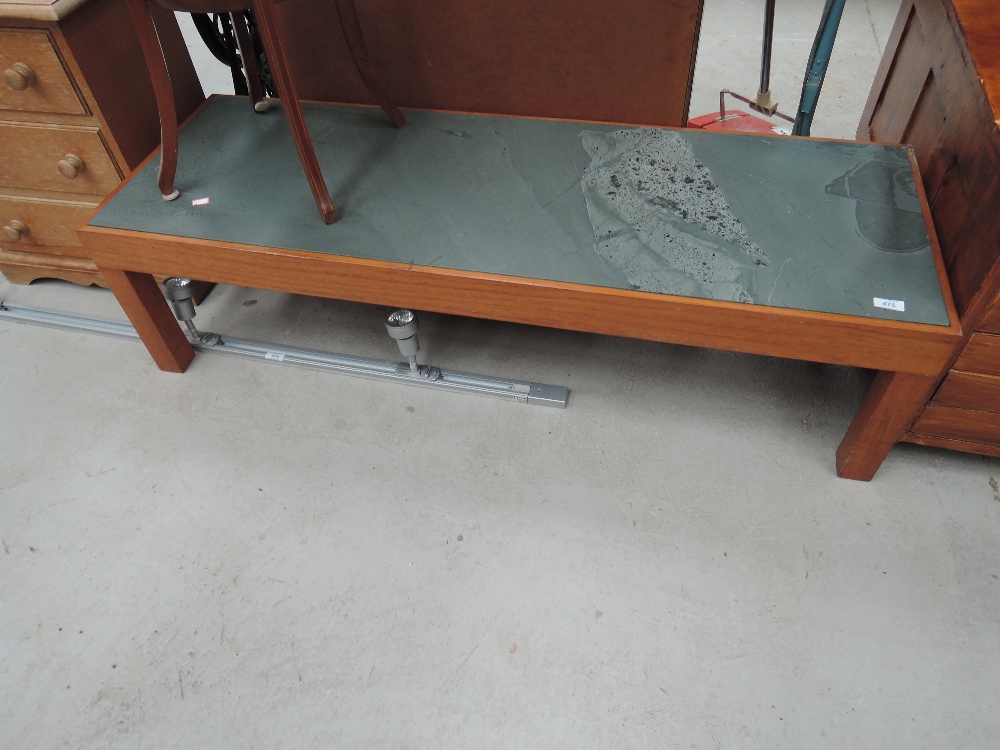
(765,51)
(520,391)
(819,61)
(722,106)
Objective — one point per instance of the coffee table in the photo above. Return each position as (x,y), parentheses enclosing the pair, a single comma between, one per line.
(801,248)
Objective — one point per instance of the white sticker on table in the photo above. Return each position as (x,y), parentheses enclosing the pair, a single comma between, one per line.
(274,356)
(897,305)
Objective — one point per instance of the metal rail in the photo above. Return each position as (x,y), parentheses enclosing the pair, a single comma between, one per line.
(425,376)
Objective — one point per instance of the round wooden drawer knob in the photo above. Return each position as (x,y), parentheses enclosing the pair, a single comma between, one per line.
(15,230)
(19,76)
(70,166)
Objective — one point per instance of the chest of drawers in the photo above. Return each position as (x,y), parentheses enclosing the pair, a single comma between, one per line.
(964,413)
(77,114)
(939,89)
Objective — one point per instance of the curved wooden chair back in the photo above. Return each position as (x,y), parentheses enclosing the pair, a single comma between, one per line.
(264,13)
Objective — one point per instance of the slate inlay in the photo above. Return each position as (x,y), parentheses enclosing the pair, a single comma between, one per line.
(786,222)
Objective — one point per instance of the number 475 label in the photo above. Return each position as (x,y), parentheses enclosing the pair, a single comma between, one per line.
(890,304)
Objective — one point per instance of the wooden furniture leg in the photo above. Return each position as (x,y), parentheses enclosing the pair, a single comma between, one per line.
(894,401)
(239,21)
(140,297)
(160,77)
(267,26)
(351,27)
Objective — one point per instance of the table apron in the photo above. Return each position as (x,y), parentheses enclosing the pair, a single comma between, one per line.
(780,332)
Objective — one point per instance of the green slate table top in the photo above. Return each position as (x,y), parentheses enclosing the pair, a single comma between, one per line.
(797,223)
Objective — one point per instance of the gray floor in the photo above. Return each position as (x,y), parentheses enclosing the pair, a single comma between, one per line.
(253,556)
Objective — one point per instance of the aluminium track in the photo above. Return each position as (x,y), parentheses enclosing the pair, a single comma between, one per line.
(519,391)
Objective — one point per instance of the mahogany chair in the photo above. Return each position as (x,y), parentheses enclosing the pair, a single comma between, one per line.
(264,14)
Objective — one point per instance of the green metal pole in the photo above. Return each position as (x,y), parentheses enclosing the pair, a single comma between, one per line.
(819,60)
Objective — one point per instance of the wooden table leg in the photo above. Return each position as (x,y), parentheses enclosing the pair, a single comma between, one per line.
(893,402)
(140,297)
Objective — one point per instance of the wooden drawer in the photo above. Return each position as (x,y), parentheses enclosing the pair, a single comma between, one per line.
(981,354)
(46,85)
(970,390)
(991,321)
(31,154)
(48,222)
(23,268)
(959,424)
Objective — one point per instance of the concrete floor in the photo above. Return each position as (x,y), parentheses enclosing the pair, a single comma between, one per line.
(252,556)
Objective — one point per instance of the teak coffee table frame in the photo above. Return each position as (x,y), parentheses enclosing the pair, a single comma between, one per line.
(908,356)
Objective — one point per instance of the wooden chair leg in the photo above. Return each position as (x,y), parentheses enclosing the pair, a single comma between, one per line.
(893,402)
(249,58)
(164,92)
(351,27)
(141,299)
(264,13)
